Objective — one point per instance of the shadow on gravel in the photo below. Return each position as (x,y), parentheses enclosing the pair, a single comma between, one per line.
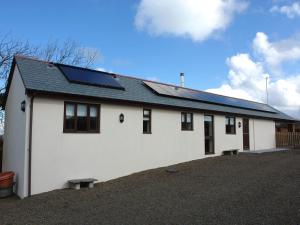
(244,189)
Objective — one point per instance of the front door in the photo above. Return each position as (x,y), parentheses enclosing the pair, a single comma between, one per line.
(209,134)
(246,134)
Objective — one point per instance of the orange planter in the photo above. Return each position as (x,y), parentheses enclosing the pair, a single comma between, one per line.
(6,179)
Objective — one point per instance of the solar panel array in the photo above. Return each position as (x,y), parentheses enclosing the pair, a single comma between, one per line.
(178,92)
(89,77)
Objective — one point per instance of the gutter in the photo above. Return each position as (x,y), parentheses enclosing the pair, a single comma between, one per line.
(30,146)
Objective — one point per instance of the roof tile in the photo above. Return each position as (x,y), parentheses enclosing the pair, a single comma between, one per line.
(38,75)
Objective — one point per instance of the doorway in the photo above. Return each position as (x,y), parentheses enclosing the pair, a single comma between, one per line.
(209,135)
(246,134)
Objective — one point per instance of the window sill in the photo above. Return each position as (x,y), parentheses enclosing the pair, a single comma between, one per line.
(81,132)
(231,133)
(147,133)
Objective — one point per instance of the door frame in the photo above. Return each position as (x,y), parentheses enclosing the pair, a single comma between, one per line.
(246,135)
(212,138)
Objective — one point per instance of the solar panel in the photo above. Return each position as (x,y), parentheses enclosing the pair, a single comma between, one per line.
(178,92)
(89,77)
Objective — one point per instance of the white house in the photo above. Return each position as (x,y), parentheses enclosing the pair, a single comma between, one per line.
(64,122)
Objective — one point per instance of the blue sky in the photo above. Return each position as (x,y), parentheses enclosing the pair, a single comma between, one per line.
(158,51)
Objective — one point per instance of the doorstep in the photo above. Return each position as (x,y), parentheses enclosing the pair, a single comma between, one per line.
(266,150)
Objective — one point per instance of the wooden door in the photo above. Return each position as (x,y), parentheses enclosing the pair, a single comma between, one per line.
(246,134)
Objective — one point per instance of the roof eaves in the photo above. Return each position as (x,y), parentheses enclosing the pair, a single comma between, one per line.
(44,93)
(7,85)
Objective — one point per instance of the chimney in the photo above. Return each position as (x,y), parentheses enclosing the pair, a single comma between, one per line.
(182,79)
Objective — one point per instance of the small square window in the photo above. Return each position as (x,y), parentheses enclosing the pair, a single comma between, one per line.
(230,125)
(186,121)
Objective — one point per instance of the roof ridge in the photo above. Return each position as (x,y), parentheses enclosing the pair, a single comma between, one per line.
(31,58)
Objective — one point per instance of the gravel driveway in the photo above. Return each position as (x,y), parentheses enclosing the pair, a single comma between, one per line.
(244,189)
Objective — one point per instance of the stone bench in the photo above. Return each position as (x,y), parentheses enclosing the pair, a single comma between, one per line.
(77,183)
(231,152)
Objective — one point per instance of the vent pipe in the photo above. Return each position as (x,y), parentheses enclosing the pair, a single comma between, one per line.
(267,94)
(182,79)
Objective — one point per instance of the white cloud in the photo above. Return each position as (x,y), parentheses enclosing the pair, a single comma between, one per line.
(291,11)
(247,77)
(275,53)
(227,90)
(285,93)
(195,19)
(101,69)
(152,78)
(242,68)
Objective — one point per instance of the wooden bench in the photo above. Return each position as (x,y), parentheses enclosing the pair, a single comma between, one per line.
(231,152)
(77,183)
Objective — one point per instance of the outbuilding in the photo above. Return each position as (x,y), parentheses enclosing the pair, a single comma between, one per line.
(65,122)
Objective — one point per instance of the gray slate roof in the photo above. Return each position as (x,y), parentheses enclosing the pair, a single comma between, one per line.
(39,76)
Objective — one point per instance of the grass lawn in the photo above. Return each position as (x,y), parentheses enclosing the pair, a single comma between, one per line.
(244,189)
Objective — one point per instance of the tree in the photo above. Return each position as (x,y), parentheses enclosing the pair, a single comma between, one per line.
(8,48)
(66,52)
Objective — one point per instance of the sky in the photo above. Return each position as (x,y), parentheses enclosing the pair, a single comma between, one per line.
(227,47)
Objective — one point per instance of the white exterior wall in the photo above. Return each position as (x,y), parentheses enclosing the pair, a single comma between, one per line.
(121,148)
(262,134)
(15,138)
(225,141)
(118,150)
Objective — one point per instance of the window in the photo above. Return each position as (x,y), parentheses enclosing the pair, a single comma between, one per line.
(94,117)
(147,121)
(70,116)
(186,121)
(81,118)
(230,124)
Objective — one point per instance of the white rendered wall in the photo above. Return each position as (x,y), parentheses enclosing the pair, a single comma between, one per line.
(262,134)
(15,140)
(120,148)
(225,141)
